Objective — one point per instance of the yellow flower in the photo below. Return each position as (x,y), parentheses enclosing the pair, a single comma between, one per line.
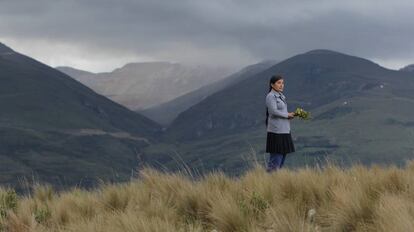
(302,114)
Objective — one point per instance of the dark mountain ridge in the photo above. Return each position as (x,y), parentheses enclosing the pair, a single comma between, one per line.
(58,129)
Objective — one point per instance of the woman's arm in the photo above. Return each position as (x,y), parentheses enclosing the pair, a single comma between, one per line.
(272,107)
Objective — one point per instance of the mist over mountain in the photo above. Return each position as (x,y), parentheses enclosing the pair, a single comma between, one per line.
(142,85)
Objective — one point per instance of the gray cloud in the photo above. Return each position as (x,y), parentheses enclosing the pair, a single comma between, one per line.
(101,35)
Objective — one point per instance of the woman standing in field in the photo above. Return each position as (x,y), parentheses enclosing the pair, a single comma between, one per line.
(279,140)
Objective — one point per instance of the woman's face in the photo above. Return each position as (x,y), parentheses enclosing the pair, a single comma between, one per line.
(278,85)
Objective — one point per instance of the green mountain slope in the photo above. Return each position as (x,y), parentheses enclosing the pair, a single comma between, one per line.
(53,127)
(312,80)
(362,113)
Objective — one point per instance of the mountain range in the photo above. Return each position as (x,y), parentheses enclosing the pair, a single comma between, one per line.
(166,112)
(362,112)
(143,85)
(66,133)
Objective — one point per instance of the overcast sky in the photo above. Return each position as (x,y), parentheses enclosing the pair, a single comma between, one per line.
(100,35)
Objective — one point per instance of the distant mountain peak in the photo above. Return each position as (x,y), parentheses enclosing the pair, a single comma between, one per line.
(5,49)
(73,72)
(139,64)
(322,52)
(408,68)
(146,64)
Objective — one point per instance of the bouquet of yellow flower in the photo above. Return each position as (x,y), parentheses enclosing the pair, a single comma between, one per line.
(301,113)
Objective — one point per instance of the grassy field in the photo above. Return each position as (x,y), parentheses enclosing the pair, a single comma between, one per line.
(359,198)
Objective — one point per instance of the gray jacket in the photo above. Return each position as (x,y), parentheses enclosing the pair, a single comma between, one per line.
(278,121)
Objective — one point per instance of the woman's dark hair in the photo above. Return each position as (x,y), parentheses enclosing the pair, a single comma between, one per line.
(272,80)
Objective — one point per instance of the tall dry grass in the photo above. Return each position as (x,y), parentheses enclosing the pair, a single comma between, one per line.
(309,199)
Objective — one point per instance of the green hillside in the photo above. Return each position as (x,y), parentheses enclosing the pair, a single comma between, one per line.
(361,111)
(54,129)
